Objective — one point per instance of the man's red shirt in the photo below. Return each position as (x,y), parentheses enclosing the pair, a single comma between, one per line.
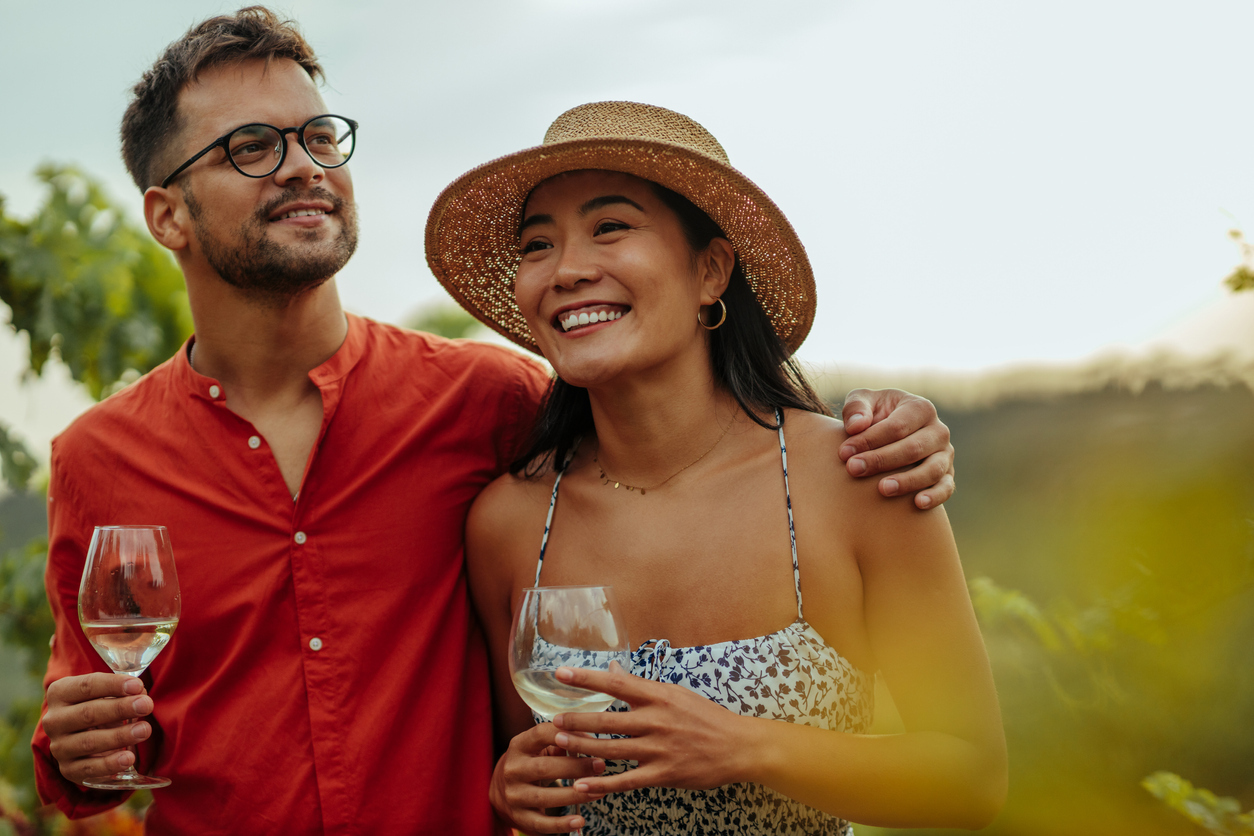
(326,675)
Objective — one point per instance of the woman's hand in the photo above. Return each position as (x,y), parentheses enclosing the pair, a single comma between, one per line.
(679,738)
(524,782)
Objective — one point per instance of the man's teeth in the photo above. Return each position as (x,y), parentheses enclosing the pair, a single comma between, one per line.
(300,213)
(575,320)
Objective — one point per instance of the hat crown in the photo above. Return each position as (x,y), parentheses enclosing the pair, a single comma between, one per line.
(633,120)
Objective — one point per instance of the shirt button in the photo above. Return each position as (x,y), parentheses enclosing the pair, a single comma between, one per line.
(254,442)
(300,541)
(315,643)
(214,391)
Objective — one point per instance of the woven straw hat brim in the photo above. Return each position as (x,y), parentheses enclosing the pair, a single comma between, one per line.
(472,231)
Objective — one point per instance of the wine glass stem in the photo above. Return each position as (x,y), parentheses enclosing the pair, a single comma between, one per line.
(130,772)
(574,809)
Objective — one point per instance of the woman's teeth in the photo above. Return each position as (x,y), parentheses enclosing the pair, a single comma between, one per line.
(575,320)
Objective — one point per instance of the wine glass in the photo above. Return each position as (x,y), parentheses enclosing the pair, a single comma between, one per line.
(128,606)
(572,626)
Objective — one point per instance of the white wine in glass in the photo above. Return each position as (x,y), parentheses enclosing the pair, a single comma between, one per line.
(128,606)
(571,626)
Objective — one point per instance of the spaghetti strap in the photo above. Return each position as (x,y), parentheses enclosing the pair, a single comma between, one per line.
(548,521)
(792,533)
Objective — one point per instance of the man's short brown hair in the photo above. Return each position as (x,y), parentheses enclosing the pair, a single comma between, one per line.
(152,120)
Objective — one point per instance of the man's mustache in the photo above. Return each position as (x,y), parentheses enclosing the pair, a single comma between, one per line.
(293,195)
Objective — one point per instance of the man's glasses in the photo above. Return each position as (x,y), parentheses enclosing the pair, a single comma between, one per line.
(258,150)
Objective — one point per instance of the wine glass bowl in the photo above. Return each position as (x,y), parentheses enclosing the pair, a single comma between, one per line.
(128,607)
(565,626)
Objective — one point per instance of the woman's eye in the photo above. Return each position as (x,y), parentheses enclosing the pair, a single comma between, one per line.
(609,226)
(534,246)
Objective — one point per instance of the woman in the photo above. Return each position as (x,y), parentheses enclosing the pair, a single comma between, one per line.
(669,438)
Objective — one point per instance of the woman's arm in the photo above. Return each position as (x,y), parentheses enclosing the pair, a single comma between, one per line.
(498,534)
(947,769)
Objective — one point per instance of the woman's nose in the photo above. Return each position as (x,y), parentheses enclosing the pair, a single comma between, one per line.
(575,265)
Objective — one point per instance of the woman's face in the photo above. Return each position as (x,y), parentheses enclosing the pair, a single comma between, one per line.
(608,282)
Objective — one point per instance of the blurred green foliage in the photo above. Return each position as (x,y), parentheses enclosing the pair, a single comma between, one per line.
(447,320)
(1119,529)
(96,291)
(1242,278)
(84,282)
(1220,816)
(17,463)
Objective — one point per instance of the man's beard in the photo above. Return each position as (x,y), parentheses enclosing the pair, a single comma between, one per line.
(270,272)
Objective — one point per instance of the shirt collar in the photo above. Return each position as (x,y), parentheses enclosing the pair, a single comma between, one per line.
(336,368)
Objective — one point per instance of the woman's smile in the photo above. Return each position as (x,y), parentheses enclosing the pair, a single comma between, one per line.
(578,319)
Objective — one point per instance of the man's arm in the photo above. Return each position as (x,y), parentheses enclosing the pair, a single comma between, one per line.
(891,429)
(79,735)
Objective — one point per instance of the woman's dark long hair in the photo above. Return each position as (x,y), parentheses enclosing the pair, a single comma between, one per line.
(747,357)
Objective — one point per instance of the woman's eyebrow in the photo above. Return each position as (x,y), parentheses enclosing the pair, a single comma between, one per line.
(534,220)
(607,200)
(594,203)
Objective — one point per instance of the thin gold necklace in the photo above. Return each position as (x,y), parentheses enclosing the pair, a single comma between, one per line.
(607,479)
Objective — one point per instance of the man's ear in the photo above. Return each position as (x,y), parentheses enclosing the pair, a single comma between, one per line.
(715,266)
(167,218)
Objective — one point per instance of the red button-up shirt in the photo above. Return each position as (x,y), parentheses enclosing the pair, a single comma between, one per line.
(326,675)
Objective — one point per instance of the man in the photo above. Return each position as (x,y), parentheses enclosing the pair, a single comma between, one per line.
(314,470)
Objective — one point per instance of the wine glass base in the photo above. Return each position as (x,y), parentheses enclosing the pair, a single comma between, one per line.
(127,782)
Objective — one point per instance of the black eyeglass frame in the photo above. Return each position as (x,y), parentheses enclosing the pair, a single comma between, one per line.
(220,142)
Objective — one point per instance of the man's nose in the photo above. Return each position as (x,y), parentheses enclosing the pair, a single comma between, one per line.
(297,164)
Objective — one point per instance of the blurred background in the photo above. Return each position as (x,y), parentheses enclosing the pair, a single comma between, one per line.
(1022,211)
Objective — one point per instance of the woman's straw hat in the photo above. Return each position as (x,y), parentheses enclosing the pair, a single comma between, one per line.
(472,231)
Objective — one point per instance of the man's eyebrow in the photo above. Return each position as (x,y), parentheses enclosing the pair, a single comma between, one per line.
(607,200)
(534,220)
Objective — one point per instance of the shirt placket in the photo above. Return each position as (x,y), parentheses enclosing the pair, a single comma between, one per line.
(326,687)
(324,665)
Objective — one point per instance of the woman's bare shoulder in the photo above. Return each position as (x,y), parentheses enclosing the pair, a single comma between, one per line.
(508,514)
(814,443)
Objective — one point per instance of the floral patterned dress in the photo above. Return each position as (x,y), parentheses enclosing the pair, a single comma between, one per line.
(791,675)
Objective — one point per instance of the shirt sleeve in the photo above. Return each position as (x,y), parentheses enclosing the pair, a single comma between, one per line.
(531,383)
(68,539)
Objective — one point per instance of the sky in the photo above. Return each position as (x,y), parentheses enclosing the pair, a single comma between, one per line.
(977,183)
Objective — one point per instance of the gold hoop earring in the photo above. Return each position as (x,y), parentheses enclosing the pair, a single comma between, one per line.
(721,320)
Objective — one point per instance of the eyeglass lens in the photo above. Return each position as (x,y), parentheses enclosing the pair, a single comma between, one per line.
(256,149)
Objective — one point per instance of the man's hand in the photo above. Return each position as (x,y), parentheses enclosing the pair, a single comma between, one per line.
(84,722)
(891,429)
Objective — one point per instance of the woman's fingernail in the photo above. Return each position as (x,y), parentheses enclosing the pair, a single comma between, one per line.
(582,786)
(561,740)
(891,486)
(576,823)
(132,686)
(565,674)
(858,466)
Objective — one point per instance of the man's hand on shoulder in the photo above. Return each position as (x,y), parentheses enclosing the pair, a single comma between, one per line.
(890,429)
(84,723)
